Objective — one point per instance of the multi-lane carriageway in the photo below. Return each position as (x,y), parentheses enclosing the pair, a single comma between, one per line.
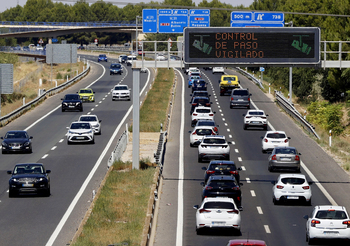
(77,170)
(277,225)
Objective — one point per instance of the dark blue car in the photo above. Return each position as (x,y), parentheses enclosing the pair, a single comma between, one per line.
(199,85)
(102,57)
(115,68)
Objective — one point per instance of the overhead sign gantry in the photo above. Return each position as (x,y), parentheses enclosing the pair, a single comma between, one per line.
(252,46)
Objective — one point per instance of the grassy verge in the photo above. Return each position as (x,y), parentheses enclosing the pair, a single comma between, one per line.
(119,211)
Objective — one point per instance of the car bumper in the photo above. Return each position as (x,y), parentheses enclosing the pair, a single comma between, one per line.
(209,156)
(115,72)
(285,165)
(239,104)
(256,124)
(326,233)
(268,147)
(80,138)
(87,98)
(121,97)
(289,196)
(67,108)
(205,223)
(20,149)
(28,187)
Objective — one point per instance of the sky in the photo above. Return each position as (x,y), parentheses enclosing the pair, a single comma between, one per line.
(6,4)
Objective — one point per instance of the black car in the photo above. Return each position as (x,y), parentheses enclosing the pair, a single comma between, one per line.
(200,94)
(29,178)
(72,102)
(115,68)
(224,186)
(199,85)
(16,141)
(199,101)
(219,167)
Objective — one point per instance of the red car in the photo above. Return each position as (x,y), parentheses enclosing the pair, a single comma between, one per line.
(247,242)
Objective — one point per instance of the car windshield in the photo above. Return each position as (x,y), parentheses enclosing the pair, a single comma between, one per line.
(88,118)
(200,94)
(240,93)
(229,79)
(293,181)
(199,82)
(276,135)
(203,110)
(16,135)
(115,66)
(204,132)
(71,97)
(285,151)
(102,56)
(195,77)
(80,126)
(222,205)
(85,91)
(214,141)
(331,214)
(222,167)
(256,113)
(34,169)
(120,88)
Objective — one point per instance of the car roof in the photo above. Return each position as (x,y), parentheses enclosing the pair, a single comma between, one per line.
(294,175)
(29,164)
(203,107)
(202,127)
(268,132)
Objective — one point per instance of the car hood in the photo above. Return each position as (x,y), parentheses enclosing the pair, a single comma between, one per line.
(79,131)
(71,101)
(86,94)
(121,91)
(28,175)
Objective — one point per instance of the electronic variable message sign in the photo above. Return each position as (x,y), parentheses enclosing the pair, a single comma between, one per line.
(254,46)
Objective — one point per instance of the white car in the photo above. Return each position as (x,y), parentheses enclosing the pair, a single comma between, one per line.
(214,148)
(130,60)
(94,121)
(161,57)
(327,222)
(255,118)
(218,70)
(201,113)
(79,132)
(273,139)
(198,133)
(190,69)
(291,187)
(217,213)
(120,92)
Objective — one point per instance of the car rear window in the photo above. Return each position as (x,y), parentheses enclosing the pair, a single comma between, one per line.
(204,132)
(293,181)
(203,110)
(72,97)
(331,214)
(214,141)
(222,184)
(285,151)
(240,92)
(222,167)
(256,113)
(229,79)
(201,100)
(120,88)
(88,118)
(222,205)
(276,135)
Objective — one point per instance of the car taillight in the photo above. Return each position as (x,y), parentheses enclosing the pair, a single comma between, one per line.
(306,187)
(204,211)
(248,99)
(274,158)
(265,140)
(314,222)
(194,133)
(210,171)
(279,187)
(234,211)
(194,114)
(238,198)
(233,172)
(215,129)
(248,117)
(211,114)
(286,141)
(231,98)
(208,187)
(235,188)
(213,133)
(347,222)
(194,104)
(297,158)
(207,104)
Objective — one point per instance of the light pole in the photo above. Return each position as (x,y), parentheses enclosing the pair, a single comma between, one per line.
(290,70)
(137,43)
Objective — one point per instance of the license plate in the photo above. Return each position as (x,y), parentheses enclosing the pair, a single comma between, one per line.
(80,137)
(27,185)
(15,147)
(292,197)
(71,106)
(240,100)
(330,232)
(275,141)
(85,97)
(255,122)
(218,223)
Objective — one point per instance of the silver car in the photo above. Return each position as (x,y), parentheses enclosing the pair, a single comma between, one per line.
(284,158)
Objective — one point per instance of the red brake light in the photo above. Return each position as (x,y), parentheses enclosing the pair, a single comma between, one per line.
(211,114)
(306,187)
(231,98)
(215,129)
(265,140)
(314,222)
(235,188)
(208,188)
(297,158)
(233,172)
(194,133)
(233,211)
(210,171)
(194,114)
(248,99)
(286,141)
(238,198)
(204,211)
(279,187)
(194,104)
(207,104)
(274,158)
(347,222)
(213,133)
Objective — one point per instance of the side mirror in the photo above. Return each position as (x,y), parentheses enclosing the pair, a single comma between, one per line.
(273,182)
(261,137)
(311,182)
(243,115)
(48,171)
(31,137)
(196,206)
(239,168)
(267,115)
(204,168)
(61,98)
(100,121)
(229,142)
(289,138)
(211,102)
(9,172)
(189,131)
(240,208)
(202,183)
(214,112)
(306,217)
(250,94)
(67,127)
(299,153)
(2,138)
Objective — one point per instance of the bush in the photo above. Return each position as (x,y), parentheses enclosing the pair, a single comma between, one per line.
(59,76)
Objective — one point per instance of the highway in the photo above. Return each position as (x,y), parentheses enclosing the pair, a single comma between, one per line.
(276,224)
(76,169)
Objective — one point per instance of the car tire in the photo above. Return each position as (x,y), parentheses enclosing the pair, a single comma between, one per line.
(68,142)
(265,128)
(47,192)
(4,152)
(270,168)
(12,193)
(231,107)
(275,202)
(93,141)
(308,203)
(30,151)
(191,145)
(298,170)
(62,110)
(248,107)
(263,151)
(245,127)
(81,110)
(228,157)
(199,159)
(199,231)
(221,94)
(110,73)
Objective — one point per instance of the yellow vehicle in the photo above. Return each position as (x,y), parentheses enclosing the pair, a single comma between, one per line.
(87,95)
(228,83)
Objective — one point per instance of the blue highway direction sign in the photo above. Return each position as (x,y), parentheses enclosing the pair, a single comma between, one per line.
(257,19)
(199,18)
(172,20)
(149,21)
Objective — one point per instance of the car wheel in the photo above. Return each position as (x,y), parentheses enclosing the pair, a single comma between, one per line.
(221,94)
(191,145)
(245,127)
(199,231)
(47,193)
(265,128)
(62,110)
(12,193)
(310,241)
(30,151)
(269,168)
(263,151)
(199,159)
(248,107)
(110,73)
(228,157)
(129,99)
(68,142)
(308,203)
(93,141)
(4,151)
(81,110)
(275,202)
(298,170)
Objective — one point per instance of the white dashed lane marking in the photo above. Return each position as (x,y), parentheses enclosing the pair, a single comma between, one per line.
(236,150)
(248,180)
(259,210)
(44,156)
(239,159)
(230,136)
(61,140)
(252,192)
(267,229)
(54,147)
(243,169)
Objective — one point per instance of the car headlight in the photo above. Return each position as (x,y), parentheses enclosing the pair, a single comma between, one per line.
(4,144)
(26,144)
(77,103)
(15,180)
(97,125)
(71,132)
(39,179)
(65,104)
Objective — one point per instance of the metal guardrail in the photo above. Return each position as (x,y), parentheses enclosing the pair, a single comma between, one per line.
(289,108)
(119,149)
(245,73)
(14,114)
